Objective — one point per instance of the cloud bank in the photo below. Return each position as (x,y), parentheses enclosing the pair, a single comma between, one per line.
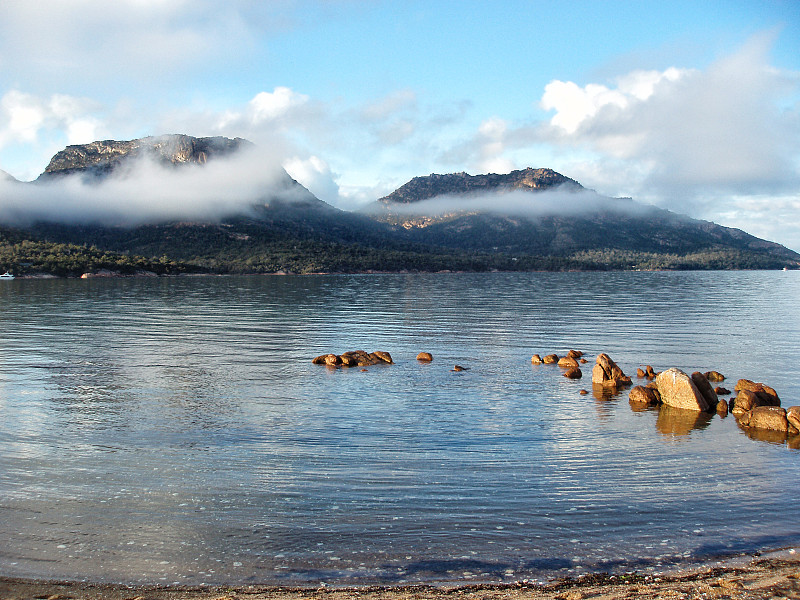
(150,192)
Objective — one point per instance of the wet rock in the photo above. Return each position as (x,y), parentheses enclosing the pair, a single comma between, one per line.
(333,360)
(460,368)
(793,416)
(644,396)
(766,417)
(701,381)
(651,374)
(608,374)
(425,356)
(536,359)
(714,376)
(384,356)
(575,354)
(641,373)
(584,392)
(550,359)
(722,408)
(568,362)
(573,373)
(678,390)
(721,391)
(767,395)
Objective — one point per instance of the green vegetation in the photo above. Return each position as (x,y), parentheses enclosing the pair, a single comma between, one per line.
(23,256)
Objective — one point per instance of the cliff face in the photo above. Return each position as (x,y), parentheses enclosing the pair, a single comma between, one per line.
(100,159)
(430,186)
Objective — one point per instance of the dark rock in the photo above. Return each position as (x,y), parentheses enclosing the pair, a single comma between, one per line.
(460,368)
(573,373)
(384,356)
(714,376)
(583,392)
(705,388)
(575,354)
(721,391)
(650,372)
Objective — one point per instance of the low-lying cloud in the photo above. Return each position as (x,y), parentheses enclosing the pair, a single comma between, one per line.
(148,192)
(524,204)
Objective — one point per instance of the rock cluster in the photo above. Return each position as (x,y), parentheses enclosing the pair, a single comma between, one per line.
(354,358)
(570,362)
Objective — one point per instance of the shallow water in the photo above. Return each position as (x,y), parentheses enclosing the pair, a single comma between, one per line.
(175,430)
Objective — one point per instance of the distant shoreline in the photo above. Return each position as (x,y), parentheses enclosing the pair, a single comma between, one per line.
(775,574)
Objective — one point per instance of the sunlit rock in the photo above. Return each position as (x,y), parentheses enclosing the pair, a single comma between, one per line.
(679,391)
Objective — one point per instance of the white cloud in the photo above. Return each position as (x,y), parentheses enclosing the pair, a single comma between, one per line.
(316,176)
(689,140)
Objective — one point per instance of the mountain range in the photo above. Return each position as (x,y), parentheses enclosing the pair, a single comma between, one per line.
(531,219)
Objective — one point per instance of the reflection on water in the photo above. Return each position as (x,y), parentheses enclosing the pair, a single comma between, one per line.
(679,421)
(175,430)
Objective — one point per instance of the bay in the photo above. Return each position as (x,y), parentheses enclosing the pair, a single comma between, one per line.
(175,430)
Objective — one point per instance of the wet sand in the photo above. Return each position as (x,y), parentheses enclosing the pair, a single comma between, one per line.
(773,576)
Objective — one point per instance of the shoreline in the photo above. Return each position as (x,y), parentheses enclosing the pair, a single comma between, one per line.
(774,574)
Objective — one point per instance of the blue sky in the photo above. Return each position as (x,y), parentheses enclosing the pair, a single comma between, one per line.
(693,106)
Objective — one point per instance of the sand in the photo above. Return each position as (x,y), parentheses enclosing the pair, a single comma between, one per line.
(775,576)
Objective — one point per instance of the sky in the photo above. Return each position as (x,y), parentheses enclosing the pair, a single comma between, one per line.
(690,106)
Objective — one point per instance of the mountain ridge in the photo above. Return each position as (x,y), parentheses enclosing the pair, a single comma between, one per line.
(285,235)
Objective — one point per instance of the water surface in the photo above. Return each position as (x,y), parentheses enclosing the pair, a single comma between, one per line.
(175,430)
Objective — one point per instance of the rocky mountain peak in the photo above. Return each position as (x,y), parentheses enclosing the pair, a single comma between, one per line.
(99,159)
(430,186)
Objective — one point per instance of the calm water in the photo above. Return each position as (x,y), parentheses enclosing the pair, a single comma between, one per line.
(175,430)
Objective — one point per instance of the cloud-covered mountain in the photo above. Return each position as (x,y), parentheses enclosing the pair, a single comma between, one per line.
(225,205)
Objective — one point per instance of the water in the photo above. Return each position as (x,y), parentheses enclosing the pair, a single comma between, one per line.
(175,430)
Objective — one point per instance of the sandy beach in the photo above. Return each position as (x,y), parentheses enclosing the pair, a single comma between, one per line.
(774,576)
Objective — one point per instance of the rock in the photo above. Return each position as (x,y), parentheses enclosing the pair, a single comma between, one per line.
(319,360)
(714,376)
(722,408)
(650,372)
(425,356)
(536,359)
(644,395)
(607,373)
(583,361)
(767,395)
(679,391)
(641,373)
(793,416)
(333,360)
(573,373)
(705,388)
(575,354)
(583,392)
(460,368)
(721,391)
(550,359)
(384,356)
(568,362)
(766,417)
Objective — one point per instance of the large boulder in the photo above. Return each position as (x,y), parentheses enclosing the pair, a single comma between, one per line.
(766,417)
(608,374)
(678,390)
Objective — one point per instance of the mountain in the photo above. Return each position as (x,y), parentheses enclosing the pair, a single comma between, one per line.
(532,219)
(541,212)
(102,158)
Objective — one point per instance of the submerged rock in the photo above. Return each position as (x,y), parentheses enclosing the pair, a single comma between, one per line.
(354,358)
